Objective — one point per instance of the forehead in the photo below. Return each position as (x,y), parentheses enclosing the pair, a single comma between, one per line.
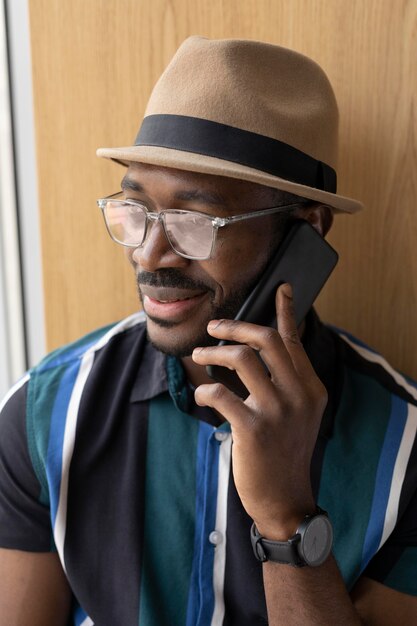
(222,189)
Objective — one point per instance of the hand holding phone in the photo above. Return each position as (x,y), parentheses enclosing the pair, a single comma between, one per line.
(305,260)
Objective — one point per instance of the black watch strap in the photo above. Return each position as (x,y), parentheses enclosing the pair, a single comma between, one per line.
(285,552)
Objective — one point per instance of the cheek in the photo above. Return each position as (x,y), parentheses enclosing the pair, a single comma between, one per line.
(237,263)
(247,247)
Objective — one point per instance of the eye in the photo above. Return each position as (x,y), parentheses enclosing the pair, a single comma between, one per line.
(132,209)
(135,213)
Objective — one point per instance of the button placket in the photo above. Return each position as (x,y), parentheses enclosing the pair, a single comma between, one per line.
(215,537)
(221,435)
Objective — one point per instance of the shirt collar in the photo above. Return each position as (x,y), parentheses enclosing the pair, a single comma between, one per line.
(151,378)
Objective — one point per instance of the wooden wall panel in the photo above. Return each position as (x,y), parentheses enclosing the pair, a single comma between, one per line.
(94,64)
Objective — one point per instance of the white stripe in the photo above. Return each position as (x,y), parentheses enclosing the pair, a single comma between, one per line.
(400,469)
(13,390)
(67,451)
(87,622)
(221,526)
(377,358)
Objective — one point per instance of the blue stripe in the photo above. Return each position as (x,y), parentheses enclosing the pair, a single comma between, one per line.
(389,452)
(207,565)
(79,615)
(56,435)
(201,594)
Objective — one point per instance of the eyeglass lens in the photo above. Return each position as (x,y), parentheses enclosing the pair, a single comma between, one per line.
(188,233)
(126,222)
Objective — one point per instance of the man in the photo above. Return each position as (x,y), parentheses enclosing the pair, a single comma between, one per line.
(122,498)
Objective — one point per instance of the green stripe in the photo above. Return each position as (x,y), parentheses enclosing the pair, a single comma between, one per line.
(350,465)
(403,576)
(169,514)
(41,396)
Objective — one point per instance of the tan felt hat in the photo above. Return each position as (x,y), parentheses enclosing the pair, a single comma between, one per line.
(247,110)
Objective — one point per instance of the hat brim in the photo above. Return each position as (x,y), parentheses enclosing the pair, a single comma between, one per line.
(178,159)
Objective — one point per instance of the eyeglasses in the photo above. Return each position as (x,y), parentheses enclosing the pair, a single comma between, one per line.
(191,234)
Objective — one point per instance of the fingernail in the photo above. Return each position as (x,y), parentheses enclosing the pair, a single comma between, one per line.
(287,290)
(213,324)
(197,351)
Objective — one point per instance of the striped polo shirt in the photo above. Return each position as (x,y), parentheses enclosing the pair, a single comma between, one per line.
(105,458)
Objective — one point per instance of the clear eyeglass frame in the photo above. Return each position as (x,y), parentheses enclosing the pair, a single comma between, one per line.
(152,217)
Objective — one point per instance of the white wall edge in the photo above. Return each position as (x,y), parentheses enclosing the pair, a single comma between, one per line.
(13,331)
(26,175)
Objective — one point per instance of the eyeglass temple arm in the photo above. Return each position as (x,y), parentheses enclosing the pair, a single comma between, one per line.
(223,221)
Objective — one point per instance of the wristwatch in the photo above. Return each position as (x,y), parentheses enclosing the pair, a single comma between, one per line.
(311,544)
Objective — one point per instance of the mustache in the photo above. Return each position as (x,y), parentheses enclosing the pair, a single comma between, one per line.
(170,277)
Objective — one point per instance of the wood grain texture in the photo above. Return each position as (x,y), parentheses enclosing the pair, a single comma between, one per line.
(94,65)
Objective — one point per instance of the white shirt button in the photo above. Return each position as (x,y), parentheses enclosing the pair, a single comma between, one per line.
(221,435)
(215,537)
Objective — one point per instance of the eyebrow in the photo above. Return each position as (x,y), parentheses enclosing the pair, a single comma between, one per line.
(129,184)
(189,195)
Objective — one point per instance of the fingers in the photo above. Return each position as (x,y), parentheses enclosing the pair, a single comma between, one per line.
(263,339)
(287,329)
(218,397)
(243,360)
(281,350)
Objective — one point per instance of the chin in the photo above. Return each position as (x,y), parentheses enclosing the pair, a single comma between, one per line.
(170,340)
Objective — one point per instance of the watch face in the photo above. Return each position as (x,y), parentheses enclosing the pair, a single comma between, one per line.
(316,540)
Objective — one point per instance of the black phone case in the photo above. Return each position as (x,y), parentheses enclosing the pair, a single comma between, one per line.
(305,260)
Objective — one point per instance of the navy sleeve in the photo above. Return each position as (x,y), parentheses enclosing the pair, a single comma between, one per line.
(24,519)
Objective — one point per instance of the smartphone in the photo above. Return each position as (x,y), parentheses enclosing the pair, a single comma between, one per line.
(303,259)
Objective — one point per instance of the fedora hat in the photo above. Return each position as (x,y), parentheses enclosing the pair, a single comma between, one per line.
(247,110)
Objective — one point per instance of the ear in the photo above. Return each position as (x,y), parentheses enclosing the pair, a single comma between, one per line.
(319,216)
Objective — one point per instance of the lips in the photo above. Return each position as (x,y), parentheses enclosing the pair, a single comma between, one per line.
(170,303)
(169,294)
(173,300)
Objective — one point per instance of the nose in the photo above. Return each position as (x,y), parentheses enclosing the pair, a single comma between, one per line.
(156,252)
